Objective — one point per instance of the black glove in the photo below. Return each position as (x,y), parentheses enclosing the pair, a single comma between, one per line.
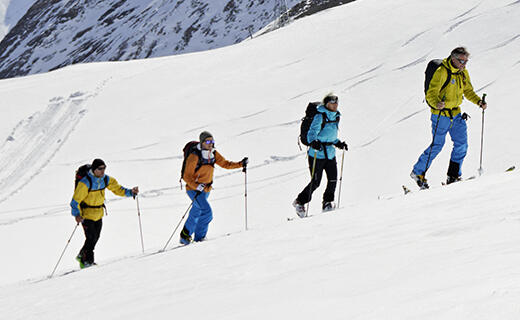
(316,145)
(244,162)
(341,145)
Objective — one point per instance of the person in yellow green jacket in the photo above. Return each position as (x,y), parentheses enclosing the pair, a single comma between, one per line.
(88,206)
(444,98)
(198,175)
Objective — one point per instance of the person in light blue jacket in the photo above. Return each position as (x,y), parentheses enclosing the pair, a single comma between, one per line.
(323,138)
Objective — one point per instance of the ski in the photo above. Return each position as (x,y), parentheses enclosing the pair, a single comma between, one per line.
(309,216)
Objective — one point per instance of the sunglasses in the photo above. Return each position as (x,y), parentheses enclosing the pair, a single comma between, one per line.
(462,61)
(209,141)
(101,168)
(333,101)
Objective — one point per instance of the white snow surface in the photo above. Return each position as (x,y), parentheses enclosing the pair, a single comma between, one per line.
(10,12)
(447,253)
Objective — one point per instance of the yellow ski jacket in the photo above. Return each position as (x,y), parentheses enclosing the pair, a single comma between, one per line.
(89,205)
(459,86)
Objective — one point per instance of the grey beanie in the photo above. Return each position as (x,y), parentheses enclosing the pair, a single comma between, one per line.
(204,135)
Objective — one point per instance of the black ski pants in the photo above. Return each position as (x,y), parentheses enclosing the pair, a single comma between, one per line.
(92,232)
(331,169)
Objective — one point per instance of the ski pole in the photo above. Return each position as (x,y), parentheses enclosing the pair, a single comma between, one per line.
(54,270)
(140,225)
(341,176)
(480,170)
(245,191)
(312,180)
(191,204)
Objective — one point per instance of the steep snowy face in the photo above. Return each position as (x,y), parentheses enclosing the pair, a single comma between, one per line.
(10,12)
(56,33)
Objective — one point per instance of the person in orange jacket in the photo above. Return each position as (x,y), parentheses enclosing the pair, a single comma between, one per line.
(198,175)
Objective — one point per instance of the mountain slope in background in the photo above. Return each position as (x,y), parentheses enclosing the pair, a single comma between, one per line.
(10,12)
(58,33)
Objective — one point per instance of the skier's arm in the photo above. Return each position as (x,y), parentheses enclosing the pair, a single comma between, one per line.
(117,189)
(222,162)
(189,171)
(80,193)
(433,95)
(315,127)
(469,93)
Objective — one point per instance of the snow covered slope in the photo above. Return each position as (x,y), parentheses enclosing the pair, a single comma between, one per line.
(447,253)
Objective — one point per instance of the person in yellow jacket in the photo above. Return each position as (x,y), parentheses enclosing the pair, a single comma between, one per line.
(88,206)
(198,175)
(445,99)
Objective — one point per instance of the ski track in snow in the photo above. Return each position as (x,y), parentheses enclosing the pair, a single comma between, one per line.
(457,24)
(34,141)
(359,75)
(466,12)
(413,63)
(505,43)
(413,38)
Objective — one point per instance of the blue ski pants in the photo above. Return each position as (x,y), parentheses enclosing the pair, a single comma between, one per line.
(200,215)
(458,132)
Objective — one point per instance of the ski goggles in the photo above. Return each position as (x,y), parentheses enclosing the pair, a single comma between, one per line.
(209,141)
(462,61)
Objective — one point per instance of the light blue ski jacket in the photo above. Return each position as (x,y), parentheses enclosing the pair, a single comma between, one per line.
(328,135)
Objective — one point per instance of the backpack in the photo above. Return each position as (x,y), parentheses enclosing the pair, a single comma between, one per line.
(189,148)
(82,172)
(310,112)
(433,65)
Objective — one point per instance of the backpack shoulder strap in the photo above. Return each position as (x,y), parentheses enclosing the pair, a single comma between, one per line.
(106,179)
(448,78)
(326,120)
(89,182)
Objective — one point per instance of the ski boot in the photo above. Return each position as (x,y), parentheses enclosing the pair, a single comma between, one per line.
(451,179)
(81,263)
(300,209)
(84,264)
(327,206)
(185,237)
(420,180)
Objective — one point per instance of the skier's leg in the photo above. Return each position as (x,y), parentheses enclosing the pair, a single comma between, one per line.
(306,194)
(91,237)
(195,211)
(426,159)
(206,215)
(331,169)
(459,136)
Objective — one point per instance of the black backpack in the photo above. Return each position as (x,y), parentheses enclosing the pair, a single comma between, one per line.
(433,65)
(310,112)
(82,172)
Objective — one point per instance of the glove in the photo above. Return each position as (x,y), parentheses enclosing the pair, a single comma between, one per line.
(316,145)
(341,145)
(244,162)
(201,187)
